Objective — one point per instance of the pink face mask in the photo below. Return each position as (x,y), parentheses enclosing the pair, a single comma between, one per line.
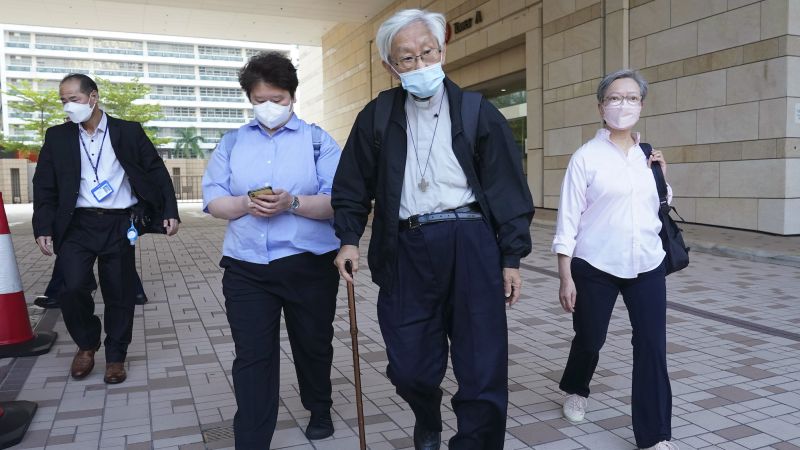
(622,117)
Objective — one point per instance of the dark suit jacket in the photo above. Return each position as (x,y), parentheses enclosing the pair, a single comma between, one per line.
(58,174)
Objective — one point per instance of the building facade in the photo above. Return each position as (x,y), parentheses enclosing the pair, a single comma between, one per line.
(193,80)
(724,101)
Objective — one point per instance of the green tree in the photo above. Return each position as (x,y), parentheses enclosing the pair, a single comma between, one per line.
(119,100)
(187,145)
(42,109)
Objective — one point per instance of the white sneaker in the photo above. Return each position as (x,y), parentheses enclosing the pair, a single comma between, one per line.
(664,445)
(575,408)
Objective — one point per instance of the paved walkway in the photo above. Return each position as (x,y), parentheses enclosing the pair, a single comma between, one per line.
(734,355)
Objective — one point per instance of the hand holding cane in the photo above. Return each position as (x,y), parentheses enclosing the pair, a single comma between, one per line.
(351,303)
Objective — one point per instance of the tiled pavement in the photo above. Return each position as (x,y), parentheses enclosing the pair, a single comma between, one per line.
(734,355)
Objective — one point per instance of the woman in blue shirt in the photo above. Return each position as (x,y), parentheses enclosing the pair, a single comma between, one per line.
(278,250)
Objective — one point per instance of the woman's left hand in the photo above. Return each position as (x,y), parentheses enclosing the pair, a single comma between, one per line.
(657,156)
(274,204)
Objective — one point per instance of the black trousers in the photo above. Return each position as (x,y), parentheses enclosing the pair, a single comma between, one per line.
(98,237)
(646,299)
(305,287)
(57,283)
(449,290)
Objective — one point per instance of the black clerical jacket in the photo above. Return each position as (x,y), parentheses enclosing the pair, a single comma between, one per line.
(365,173)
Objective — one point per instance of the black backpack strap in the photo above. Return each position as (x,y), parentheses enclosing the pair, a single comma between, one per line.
(383,110)
(316,140)
(661,183)
(470,110)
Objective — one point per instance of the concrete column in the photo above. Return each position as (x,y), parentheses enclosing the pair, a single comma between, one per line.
(535,150)
(616,35)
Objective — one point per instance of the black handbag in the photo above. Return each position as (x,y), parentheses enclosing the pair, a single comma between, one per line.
(145,220)
(671,238)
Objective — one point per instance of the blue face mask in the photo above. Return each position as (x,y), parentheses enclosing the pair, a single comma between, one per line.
(424,82)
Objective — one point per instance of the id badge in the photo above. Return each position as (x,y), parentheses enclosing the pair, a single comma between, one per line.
(102,191)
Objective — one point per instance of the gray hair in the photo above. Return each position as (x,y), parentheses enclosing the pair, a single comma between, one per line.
(624,73)
(434,21)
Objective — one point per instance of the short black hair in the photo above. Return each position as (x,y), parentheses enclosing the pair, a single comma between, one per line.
(273,68)
(87,83)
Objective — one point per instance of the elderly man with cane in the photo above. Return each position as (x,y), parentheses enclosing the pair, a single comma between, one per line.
(452,217)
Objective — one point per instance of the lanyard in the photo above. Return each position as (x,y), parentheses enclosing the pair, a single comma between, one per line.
(99,153)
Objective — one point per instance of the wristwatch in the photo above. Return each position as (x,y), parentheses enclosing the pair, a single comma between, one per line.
(295,204)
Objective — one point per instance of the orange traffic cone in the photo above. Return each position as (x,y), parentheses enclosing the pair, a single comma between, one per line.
(15,417)
(16,337)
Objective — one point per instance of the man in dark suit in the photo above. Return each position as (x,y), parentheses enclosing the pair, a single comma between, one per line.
(91,172)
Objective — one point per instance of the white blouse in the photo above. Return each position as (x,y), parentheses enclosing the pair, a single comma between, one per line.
(608,212)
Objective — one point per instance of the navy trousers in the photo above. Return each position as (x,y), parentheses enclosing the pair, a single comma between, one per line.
(57,283)
(98,237)
(448,287)
(304,286)
(646,299)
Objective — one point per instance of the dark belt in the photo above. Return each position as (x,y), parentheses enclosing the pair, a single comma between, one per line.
(466,212)
(104,211)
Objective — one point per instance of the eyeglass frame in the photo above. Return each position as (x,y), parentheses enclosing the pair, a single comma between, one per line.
(412,59)
(625,99)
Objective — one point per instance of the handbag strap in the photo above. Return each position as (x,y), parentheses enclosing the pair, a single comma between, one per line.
(661,183)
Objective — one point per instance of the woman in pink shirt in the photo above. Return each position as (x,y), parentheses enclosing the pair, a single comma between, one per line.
(607,243)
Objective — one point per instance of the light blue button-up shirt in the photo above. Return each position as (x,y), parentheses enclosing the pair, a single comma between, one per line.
(249,158)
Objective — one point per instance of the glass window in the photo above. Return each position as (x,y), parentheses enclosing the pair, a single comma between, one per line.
(18,63)
(208,94)
(19,133)
(170,50)
(119,47)
(250,52)
(171,71)
(509,99)
(218,73)
(59,65)
(60,42)
(48,85)
(119,68)
(519,129)
(168,132)
(14,113)
(162,92)
(17,39)
(220,53)
(179,114)
(221,115)
(212,135)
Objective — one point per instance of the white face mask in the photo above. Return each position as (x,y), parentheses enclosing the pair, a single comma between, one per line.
(423,82)
(622,117)
(272,115)
(79,112)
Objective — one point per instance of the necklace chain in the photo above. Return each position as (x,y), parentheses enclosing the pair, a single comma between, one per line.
(423,185)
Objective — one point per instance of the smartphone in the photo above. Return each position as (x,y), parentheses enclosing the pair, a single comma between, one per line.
(260,191)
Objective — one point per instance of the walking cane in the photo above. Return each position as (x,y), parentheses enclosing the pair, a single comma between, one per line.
(351,303)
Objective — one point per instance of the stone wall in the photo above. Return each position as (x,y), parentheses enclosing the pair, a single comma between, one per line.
(310,101)
(724,100)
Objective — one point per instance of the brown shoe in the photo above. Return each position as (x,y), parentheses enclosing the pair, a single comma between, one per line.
(83,363)
(115,373)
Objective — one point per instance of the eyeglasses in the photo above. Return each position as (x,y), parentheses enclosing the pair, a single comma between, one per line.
(429,56)
(616,100)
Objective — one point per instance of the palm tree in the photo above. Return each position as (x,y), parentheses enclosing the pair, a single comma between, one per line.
(187,145)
